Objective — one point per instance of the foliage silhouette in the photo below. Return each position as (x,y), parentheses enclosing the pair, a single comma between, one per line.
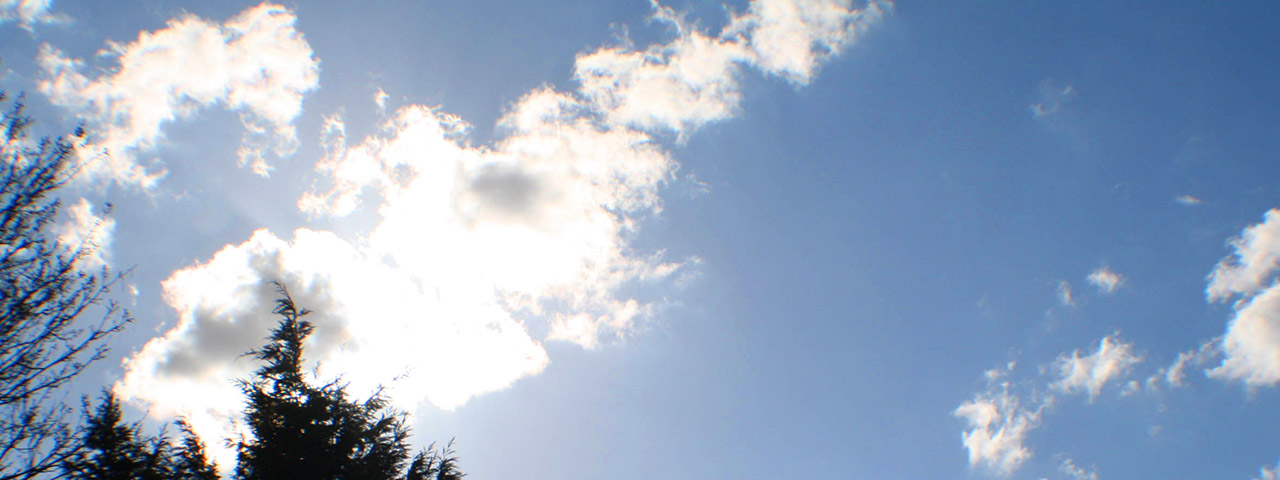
(112,450)
(46,287)
(300,430)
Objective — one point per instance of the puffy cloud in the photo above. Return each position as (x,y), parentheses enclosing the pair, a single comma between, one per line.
(255,64)
(1112,360)
(1106,279)
(448,349)
(477,253)
(997,425)
(1069,468)
(28,12)
(87,234)
(1256,252)
(1251,345)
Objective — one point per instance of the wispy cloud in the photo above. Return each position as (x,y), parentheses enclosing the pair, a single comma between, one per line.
(1052,97)
(1106,279)
(1111,361)
(1251,345)
(1187,200)
(28,13)
(255,64)
(1065,297)
(1268,473)
(1069,468)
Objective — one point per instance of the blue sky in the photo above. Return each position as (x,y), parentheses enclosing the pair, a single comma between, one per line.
(695,239)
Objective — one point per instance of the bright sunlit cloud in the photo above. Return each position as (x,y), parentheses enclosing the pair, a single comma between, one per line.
(1251,345)
(255,64)
(479,253)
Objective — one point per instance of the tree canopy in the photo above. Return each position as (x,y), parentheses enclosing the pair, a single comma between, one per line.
(47,288)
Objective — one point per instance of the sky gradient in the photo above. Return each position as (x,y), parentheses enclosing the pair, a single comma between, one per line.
(698,239)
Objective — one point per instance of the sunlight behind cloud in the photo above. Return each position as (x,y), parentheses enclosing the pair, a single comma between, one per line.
(475,248)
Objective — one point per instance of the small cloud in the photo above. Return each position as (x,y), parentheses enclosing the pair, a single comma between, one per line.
(1069,468)
(1187,200)
(1051,98)
(1106,279)
(998,424)
(87,235)
(1064,294)
(1268,473)
(1111,361)
(380,99)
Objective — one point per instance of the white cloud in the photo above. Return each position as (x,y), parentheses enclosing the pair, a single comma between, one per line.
(450,348)
(1251,345)
(693,79)
(1187,200)
(255,64)
(1069,468)
(1106,279)
(1065,295)
(997,428)
(28,12)
(1256,253)
(1111,361)
(88,234)
(476,249)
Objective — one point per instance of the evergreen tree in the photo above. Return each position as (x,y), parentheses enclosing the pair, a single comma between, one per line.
(303,431)
(188,458)
(111,449)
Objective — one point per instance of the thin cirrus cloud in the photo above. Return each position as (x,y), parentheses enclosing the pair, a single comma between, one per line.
(1251,345)
(480,253)
(1069,468)
(255,64)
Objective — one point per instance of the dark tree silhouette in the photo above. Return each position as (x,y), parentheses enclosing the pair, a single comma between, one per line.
(112,449)
(188,458)
(46,288)
(300,430)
